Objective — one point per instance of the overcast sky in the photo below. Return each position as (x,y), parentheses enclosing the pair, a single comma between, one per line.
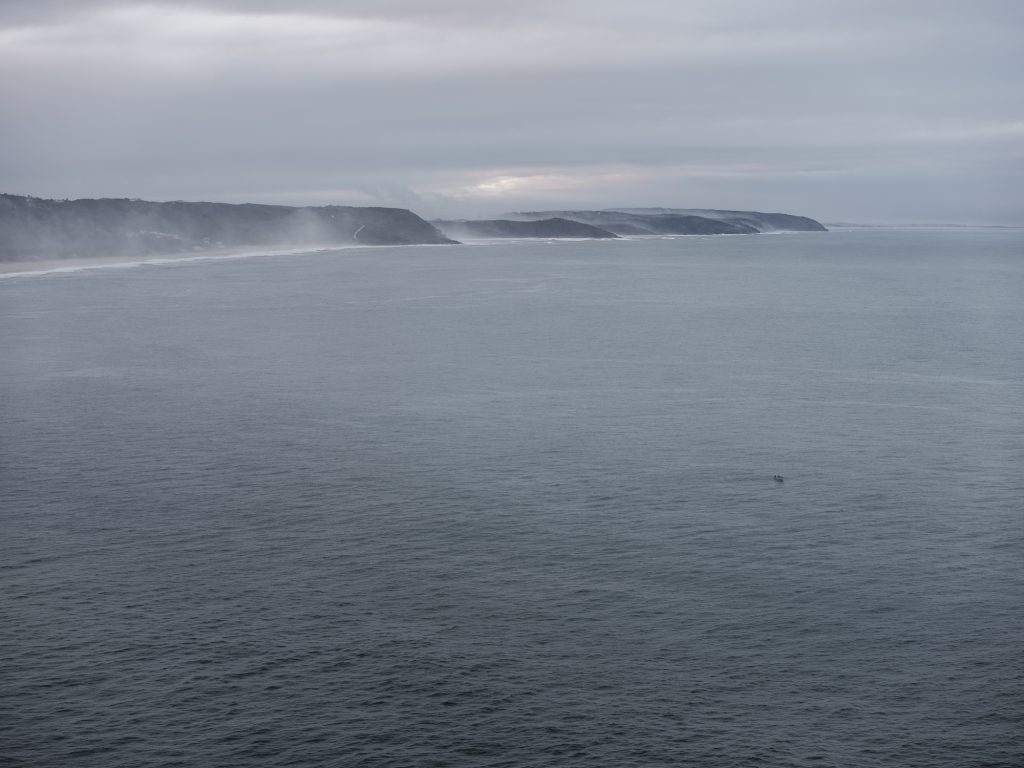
(896,111)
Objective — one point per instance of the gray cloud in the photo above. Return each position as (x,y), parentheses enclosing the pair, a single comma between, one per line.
(840,110)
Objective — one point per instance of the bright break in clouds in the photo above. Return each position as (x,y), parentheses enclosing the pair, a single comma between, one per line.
(843,110)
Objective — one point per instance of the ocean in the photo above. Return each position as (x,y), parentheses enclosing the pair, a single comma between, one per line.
(513,504)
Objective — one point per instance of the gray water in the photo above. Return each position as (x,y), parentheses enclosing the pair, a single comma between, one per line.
(512,505)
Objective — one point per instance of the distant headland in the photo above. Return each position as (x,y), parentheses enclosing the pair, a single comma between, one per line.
(33,228)
(629,222)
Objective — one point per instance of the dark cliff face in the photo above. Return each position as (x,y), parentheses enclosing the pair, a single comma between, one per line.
(36,228)
(623,223)
(488,228)
(680,221)
(762,222)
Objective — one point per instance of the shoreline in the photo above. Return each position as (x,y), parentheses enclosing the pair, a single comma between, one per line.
(34,267)
(37,267)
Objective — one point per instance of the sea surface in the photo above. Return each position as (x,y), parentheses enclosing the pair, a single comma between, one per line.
(512,504)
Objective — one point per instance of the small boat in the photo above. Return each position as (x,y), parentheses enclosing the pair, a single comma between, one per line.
(778,478)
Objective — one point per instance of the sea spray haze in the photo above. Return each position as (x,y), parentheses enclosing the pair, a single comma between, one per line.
(512,505)
(34,228)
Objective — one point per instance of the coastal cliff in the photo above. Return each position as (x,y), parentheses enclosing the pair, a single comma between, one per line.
(681,221)
(762,222)
(35,228)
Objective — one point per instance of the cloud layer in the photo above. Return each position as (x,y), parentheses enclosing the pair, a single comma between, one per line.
(848,110)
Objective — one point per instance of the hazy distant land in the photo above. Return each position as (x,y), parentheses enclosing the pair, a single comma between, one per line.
(40,230)
(629,222)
